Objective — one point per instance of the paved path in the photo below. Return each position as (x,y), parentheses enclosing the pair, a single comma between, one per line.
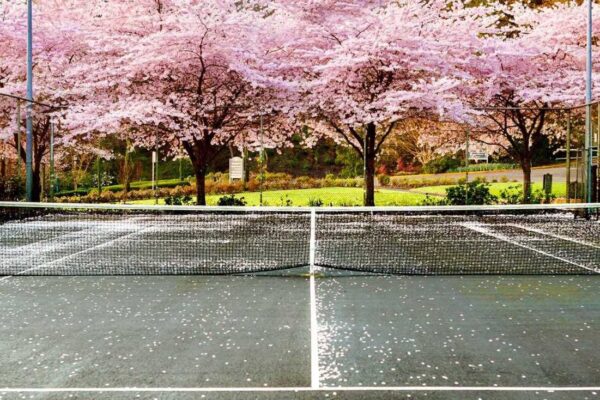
(559,174)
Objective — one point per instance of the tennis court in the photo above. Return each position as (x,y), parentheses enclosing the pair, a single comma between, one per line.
(123,302)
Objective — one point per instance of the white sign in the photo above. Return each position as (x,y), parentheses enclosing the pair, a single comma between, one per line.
(236,168)
(478,155)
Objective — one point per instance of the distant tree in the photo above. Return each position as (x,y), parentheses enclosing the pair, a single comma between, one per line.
(515,81)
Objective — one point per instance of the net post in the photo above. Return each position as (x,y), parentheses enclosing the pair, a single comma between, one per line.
(597,183)
(314,327)
(313,239)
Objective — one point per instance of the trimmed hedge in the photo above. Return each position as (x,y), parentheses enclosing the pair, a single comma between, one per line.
(214,186)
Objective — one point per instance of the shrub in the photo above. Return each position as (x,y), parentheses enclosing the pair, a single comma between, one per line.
(384,180)
(411,182)
(433,201)
(285,201)
(277,176)
(184,200)
(12,188)
(315,202)
(472,193)
(484,167)
(541,197)
(305,182)
(231,200)
(442,164)
(347,203)
(514,195)
(225,188)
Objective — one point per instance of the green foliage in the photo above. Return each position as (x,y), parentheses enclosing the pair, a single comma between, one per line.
(416,181)
(442,164)
(231,200)
(106,179)
(514,195)
(350,161)
(315,202)
(383,179)
(285,201)
(433,201)
(12,188)
(174,200)
(300,160)
(485,167)
(473,193)
(166,183)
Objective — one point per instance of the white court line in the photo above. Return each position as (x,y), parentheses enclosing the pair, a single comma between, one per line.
(548,389)
(480,229)
(314,327)
(78,253)
(16,252)
(554,235)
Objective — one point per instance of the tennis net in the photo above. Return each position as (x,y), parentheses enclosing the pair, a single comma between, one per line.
(77,239)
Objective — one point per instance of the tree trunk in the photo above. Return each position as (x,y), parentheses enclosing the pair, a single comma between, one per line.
(370,165)
(37,186)
(198,156)
(2,177)
(126,173)
(200,185)
(526,166)
(201,153)
(246,168)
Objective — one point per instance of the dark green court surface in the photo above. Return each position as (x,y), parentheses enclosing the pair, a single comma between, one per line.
(154,331)
(460,331)
(249,337)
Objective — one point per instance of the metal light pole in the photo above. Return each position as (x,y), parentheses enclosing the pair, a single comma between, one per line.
(365,144)
(262,162)
(467,144)
(52,179)
(588,110)
(19,138)
(568,161)
(29,144)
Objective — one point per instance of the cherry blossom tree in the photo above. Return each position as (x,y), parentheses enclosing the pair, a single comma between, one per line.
(55,50)
(370,64)
(521,73)
(175,75)
(208,75)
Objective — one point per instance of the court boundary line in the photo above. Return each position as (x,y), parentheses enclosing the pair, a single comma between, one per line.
(314,327)
(556,236)
(100,245)
(480,229)
(548,389)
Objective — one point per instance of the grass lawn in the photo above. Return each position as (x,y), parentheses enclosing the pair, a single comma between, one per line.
(148,184)
(330,196)
(559,189)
